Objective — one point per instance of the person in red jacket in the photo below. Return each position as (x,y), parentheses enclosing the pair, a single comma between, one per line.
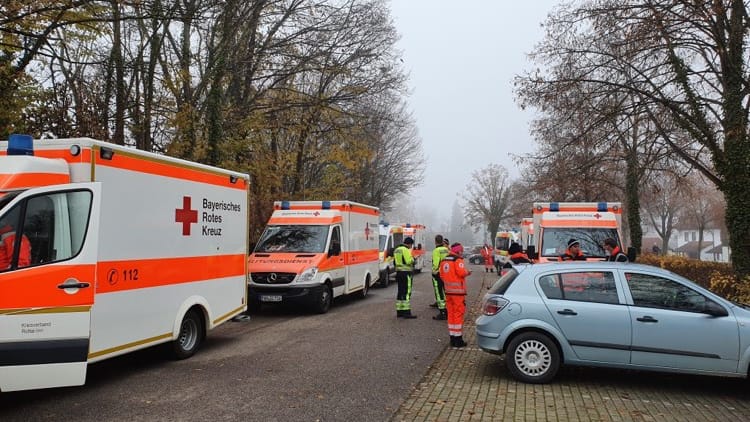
(574,252)
(7,245)
(488,255)
(453,272)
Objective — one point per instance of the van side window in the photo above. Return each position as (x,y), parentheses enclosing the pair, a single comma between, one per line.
(335,241)
(56,224)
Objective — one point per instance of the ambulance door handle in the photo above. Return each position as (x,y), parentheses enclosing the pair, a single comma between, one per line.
(72,284)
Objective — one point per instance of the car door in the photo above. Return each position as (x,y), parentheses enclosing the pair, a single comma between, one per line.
(590,312)
(671,328)
(45,306)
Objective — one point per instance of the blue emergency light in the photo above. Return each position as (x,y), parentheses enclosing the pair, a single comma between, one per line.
(284,205)
(20,145)
(601,206)
(554,206)
(326,205)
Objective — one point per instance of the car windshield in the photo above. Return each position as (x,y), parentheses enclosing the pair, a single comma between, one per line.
(382,239)
(502,243)
(555,240)
(290,238)
(398,238)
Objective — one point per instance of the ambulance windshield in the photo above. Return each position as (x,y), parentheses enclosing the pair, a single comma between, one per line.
(555,240)
(306,239)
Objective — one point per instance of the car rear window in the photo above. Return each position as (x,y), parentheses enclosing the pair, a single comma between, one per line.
(501,285)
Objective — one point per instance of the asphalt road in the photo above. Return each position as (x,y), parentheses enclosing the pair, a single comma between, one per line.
(357,362)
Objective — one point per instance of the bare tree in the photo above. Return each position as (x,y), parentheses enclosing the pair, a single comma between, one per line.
(488,199)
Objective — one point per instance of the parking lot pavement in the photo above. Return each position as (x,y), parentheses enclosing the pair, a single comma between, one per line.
(471,385)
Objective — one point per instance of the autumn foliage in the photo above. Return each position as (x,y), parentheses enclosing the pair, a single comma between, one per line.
(715,276)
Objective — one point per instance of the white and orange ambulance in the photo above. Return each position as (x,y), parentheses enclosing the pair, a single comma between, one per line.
(385,253)
(128,249)
(555,223)
(503,240)
(313,251)
(416,232)
(527,232)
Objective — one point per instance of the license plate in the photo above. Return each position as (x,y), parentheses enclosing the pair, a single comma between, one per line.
(270,298)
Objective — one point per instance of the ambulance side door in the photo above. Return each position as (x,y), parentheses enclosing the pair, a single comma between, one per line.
(46,301)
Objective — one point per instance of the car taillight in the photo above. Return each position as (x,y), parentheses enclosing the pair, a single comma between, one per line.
(493,305)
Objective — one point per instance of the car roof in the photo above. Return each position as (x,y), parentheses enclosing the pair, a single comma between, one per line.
(592,265)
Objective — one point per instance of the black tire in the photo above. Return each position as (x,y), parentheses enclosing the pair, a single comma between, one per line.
(385,279)
(323,302)
(365,289)
(533,358)
(190,337)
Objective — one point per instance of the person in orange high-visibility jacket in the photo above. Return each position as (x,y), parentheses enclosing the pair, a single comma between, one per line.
(453,272)
(7,246)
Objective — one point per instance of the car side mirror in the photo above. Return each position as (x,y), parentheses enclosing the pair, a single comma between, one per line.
(531,252)
(714,309)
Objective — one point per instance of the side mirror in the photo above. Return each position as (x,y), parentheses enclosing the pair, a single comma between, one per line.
(531,252)
(714,309)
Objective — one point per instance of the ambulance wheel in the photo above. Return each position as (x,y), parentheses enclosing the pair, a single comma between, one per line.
(324,300)
(190,336)
(365,289)
(385,279)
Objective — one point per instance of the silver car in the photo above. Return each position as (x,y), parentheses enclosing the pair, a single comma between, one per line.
(614,315)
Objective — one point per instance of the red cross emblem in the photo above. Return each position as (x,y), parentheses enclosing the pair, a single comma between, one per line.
(367,231)
(186,216)
(597,216)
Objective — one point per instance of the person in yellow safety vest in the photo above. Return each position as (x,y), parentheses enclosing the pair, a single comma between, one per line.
(453,272)
(404,262)
(438,254)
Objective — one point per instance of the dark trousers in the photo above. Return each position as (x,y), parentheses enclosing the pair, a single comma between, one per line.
(403,294)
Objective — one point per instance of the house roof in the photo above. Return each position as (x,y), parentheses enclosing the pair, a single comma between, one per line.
(692,246)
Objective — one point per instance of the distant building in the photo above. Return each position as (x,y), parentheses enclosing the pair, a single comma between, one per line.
(684,242)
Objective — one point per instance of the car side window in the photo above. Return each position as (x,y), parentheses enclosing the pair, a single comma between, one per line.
(589,286)
(657,292)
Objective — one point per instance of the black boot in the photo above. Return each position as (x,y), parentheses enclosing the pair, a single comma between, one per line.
(433,305)
(458,342)
(442,316)
(407,315)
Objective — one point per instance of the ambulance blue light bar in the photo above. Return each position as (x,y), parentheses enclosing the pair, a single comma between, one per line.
(408,225)
(326,205)
(601,206)
(554,206)
(20,145)
(285,205)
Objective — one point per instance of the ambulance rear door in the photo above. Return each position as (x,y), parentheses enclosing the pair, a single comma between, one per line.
(46,301)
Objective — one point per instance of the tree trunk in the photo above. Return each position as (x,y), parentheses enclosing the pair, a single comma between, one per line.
(119,65)
(632,201)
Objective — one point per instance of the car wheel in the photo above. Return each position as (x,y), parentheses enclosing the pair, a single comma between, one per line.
(190,336)
(323,303)
(533,358)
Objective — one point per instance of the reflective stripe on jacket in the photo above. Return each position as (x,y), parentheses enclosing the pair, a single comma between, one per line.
(402,258)
(439,254)
(453,272)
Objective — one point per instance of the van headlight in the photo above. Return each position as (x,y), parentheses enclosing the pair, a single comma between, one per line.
(308,275)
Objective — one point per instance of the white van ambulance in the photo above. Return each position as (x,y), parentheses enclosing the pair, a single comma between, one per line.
(313,251)
(416,232)
(111,250)
(385,253)
(555,223)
